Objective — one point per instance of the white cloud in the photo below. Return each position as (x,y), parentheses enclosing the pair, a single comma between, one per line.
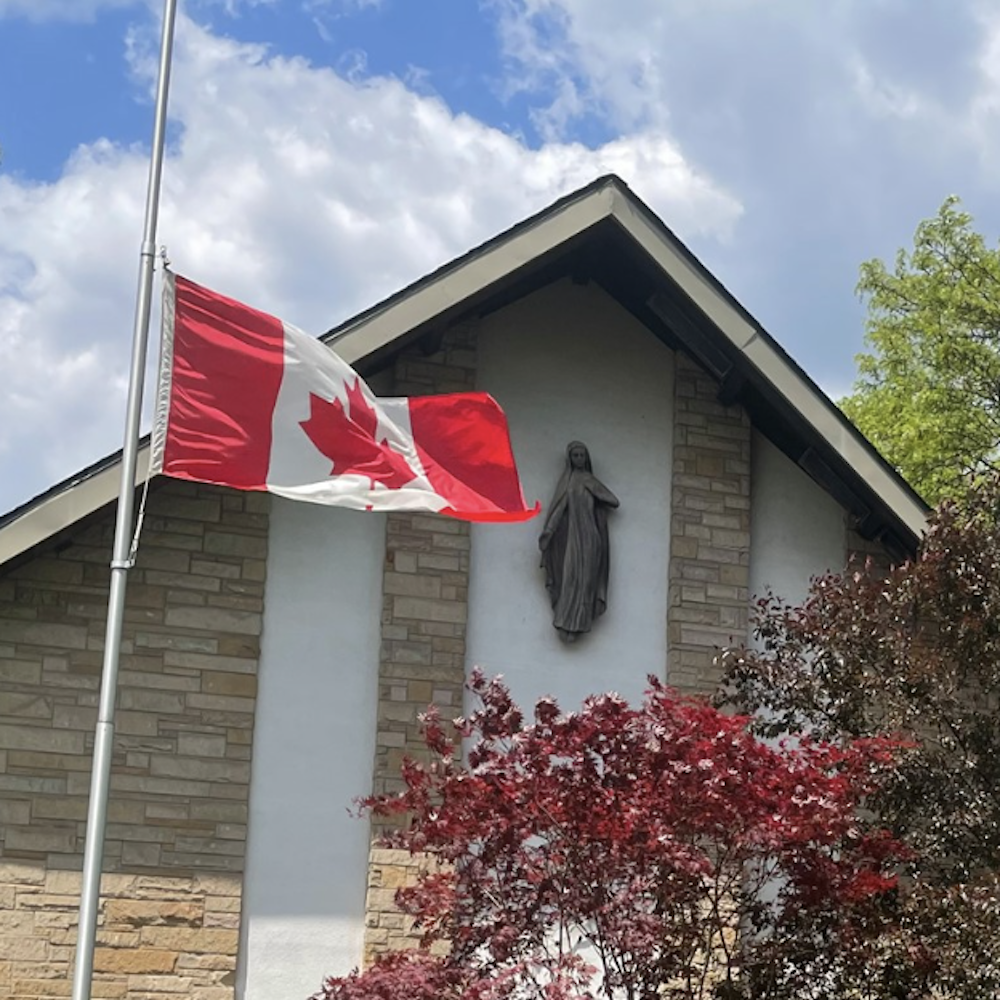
(883,98)
(293,188)
(637,69)
(984,114)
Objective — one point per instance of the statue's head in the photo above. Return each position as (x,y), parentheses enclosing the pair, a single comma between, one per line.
(577,456)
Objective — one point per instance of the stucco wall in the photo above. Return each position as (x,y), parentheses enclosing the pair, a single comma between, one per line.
(797,530)
(567,363)
(314,742)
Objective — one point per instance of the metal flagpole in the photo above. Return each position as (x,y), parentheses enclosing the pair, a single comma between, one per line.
(121,559)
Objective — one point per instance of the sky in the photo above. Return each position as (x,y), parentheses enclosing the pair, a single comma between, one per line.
(324,153)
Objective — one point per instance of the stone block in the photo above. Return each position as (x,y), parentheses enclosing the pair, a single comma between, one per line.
(404,562)
(61,987)
(20,784)
(143,913)
(23,949)
(152,678)
(170,985)
(172,640)
(254,569)
(411,585)
(223,812)
(25,705)
(134,960)
(221,543)
(14,812)
(47,634)
(197,940)
(19,671)
(220,703)
(17,923)
(430,610)
(214,620)
(225,964)
(40,739)
(211,993)
(203,661)
(239,684)
(136,723)
(214,568)
(160,702)
(21,874)
(200,770)
(201,745)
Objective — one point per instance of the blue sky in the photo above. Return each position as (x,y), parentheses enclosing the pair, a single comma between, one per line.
(325,152)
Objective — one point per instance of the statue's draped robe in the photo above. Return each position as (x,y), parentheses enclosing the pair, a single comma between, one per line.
(576,558)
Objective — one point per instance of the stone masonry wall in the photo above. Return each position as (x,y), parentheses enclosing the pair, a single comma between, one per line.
(424,613)
(709,580)
(178,805)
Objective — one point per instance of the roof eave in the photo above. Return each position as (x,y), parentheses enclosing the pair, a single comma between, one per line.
(472,276)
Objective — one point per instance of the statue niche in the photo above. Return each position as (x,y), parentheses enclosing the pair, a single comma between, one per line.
(574,545)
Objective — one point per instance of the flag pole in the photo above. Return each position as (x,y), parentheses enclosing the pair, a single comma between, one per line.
(121,560)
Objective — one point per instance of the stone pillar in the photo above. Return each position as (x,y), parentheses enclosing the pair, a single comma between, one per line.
(708,592)
(424,614)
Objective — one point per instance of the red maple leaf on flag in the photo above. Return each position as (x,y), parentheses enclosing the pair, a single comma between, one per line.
(348,439)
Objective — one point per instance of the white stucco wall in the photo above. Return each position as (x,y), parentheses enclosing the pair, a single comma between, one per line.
(304,889)
(567,363)
(797,530)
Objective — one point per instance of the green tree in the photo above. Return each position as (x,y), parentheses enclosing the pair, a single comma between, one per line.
(928,392)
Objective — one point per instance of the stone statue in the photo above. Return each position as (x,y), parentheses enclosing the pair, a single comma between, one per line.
(574,545)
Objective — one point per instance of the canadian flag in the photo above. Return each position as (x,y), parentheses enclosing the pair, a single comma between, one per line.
(248,401)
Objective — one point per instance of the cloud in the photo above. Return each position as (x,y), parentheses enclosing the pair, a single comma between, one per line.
(838,125)
(732,62)
(302,192)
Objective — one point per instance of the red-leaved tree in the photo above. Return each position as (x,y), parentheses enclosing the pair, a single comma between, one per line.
(915,652)
(632,852)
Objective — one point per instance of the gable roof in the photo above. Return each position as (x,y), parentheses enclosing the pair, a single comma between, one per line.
(603,233)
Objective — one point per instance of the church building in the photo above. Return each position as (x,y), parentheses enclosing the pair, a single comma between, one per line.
(277,653)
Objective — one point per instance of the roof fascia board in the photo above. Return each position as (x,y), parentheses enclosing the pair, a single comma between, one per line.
(65,508)
(424,303)
(476,274)
(690,278)
(813,407)
(815,410)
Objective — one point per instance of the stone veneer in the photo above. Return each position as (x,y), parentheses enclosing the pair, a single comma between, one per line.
(424,613)
(426,584)
(709,581)
(178,807)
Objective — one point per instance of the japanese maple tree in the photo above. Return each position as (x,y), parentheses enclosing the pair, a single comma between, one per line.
(633,852)
(915,651)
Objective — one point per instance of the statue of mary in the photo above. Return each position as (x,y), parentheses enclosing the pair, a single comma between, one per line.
(574,545)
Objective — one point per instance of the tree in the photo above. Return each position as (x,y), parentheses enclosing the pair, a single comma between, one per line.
(660,851)
(928,393)
(915,653)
